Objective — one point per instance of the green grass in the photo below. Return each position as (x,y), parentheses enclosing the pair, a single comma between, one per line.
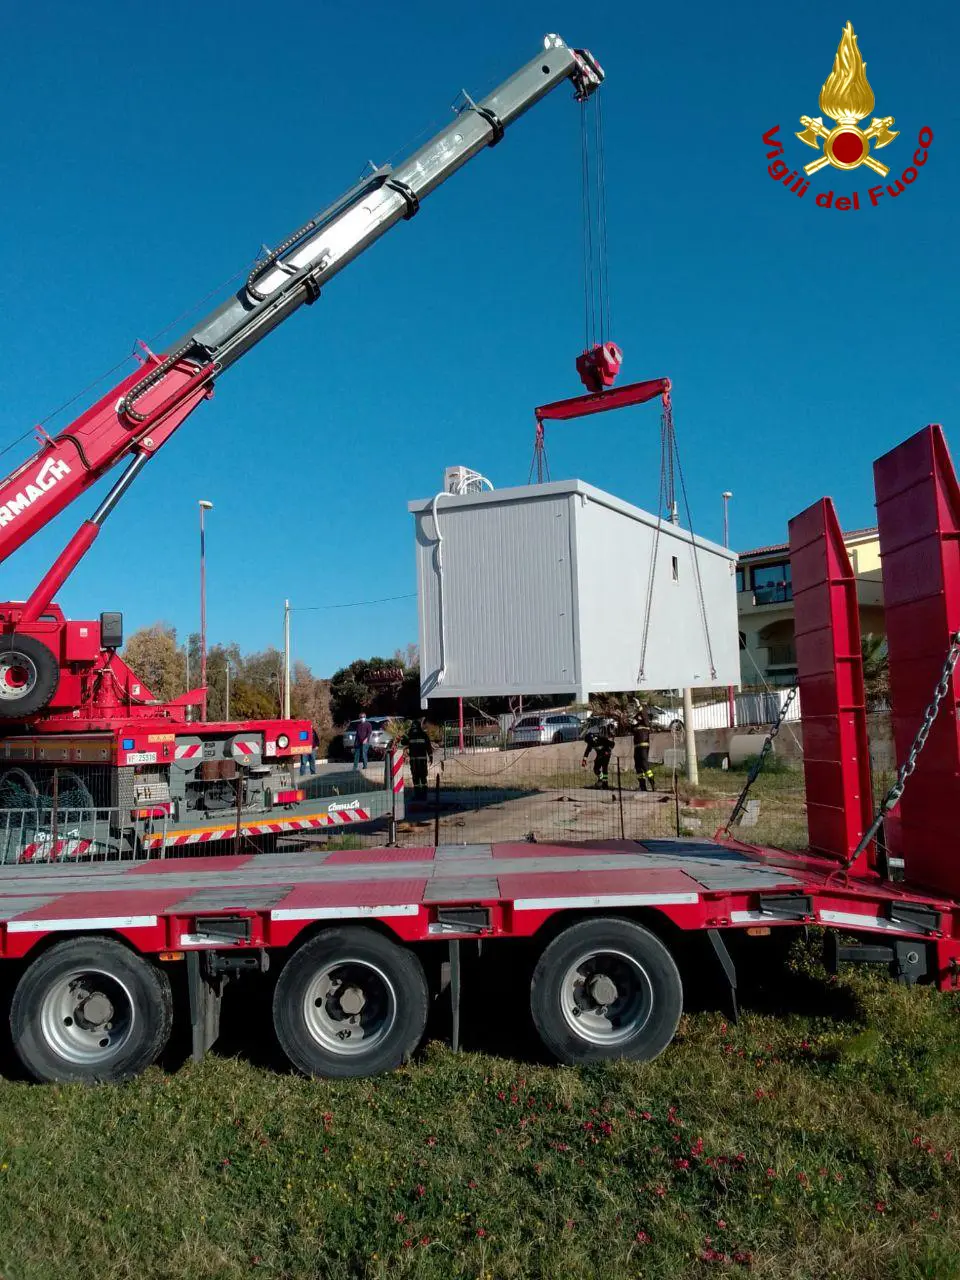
(790,1146)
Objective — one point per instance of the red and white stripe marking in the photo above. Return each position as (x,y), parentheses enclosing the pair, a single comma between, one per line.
(243,749)
(187,752)
(179,838)
(46,851)
(396,772)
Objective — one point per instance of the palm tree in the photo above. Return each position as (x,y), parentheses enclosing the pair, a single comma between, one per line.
(876,667)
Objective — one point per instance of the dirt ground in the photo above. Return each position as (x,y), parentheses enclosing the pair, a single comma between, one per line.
(567,814)
(503,795)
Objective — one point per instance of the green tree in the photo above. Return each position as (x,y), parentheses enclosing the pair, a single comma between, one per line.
(355,688)
(249,702)
(153,653)
(222,658)
(310,700)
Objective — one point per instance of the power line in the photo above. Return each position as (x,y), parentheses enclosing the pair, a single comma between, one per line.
(350,604)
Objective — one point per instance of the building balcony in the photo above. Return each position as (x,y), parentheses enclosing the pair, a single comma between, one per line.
(766,599)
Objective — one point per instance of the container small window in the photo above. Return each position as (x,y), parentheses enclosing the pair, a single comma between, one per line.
(675,563)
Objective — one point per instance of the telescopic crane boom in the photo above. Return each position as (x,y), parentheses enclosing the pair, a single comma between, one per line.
(136,417)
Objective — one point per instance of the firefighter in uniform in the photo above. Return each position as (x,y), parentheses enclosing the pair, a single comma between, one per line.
(601,740)
(420,751)
(640,728)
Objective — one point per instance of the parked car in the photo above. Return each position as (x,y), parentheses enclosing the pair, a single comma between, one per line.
(665,718)
(662,720)
(539,729)
(380,739)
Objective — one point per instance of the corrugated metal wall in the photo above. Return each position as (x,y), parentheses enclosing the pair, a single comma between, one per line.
(506,597)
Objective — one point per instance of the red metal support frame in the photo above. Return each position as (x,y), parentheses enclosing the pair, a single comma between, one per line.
(600,401)
(918,512)
(836,760)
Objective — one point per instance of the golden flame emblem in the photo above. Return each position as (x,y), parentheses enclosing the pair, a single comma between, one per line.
(847,98)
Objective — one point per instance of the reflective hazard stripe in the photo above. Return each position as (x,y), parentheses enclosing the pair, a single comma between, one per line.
(178,839)
(41,851)
(397,773)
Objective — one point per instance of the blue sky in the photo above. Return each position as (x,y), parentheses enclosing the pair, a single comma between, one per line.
(147,154)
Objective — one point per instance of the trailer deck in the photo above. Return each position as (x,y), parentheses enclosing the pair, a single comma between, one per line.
(459,891)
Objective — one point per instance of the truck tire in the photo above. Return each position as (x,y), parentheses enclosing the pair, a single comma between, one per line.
(350,1003)
(29,675)
(89,1010)
(604,989)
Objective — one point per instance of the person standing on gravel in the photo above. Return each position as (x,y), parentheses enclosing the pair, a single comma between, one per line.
(420,752)
(601,740)
(639,723)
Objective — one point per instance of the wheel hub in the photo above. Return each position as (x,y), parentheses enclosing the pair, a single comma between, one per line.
(87,1017)
(603,990)
(94,1011)
(18,675)
(350,1006)
(606,997)
(352,1001)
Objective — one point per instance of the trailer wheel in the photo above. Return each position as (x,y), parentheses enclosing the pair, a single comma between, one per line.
(606,989)
(89,1010)
(350,1003)
(29,675)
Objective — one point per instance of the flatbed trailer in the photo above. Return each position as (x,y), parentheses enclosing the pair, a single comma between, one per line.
(625,905)
(364,938)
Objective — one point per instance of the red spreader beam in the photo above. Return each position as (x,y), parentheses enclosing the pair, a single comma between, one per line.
(836,759)
(601,401)
(918,512)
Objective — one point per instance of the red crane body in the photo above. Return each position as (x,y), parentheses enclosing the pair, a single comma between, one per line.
(62,679)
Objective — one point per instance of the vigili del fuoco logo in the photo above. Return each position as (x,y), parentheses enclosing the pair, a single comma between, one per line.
(846,98)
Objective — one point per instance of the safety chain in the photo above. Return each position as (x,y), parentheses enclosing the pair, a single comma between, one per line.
(758,765)
(892,798)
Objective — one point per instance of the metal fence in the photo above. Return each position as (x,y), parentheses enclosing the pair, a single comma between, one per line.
(532,794)
(535,794)
(62,834)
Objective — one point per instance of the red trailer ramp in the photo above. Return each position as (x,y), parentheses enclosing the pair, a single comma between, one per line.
(836,758)
(918,512)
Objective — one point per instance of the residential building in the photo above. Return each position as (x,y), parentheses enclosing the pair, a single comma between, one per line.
(768,653)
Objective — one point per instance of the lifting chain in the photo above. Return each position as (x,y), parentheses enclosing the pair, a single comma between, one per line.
(765,750)
(892,798)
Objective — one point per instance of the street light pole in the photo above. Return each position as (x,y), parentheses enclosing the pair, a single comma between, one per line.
(731,701)
(204,507)
(286,659)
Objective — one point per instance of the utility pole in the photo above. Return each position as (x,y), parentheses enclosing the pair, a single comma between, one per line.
(204,506)
(731,702)
(226,713)
(286,659)
(689,736)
